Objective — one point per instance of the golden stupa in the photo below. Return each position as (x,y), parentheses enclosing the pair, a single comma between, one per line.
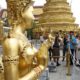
(57,16)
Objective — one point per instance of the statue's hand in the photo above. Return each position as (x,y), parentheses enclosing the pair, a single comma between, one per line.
(50,39)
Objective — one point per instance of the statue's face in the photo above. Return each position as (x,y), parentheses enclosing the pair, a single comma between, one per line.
(28,16)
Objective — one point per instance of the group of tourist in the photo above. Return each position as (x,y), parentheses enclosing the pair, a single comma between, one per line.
(68,43)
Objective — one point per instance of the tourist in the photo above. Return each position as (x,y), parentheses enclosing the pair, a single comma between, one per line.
(72,44)
(56,50)
(78,51)
(65,41)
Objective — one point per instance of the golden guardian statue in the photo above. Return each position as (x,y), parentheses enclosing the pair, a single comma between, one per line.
(21,60)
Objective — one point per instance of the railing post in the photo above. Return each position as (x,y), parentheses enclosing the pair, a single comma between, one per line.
(68,62)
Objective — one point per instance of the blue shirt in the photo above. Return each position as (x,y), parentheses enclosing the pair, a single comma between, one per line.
(72,43)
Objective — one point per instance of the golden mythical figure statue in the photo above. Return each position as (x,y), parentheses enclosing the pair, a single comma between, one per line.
(21,60)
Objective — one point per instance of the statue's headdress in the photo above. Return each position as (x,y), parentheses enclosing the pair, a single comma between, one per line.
(15,7)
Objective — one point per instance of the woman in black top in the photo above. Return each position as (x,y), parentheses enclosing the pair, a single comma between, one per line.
(56,52)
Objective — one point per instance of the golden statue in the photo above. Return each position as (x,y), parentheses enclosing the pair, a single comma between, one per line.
(20,59)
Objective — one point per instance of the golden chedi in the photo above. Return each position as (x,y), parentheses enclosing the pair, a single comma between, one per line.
(21,60)
(57,16)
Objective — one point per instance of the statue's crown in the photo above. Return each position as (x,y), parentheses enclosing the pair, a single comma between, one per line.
(21,1)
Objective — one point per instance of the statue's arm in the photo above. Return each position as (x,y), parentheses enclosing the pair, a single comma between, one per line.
(42,58)
(42,55)
(10,59)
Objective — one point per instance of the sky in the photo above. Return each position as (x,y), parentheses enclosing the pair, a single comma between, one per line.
(75,7)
